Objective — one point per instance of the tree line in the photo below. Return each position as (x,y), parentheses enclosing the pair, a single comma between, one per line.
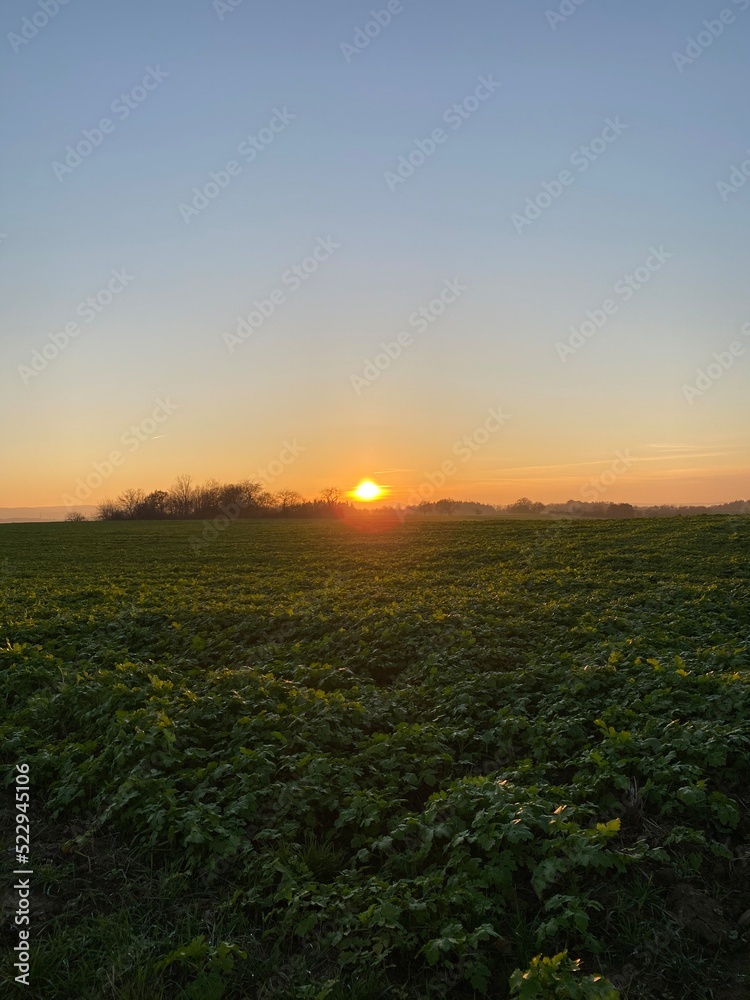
(186,500)
(576,508)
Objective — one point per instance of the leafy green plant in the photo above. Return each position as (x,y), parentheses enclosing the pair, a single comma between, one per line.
(211,964)
(390,765)
(559,978)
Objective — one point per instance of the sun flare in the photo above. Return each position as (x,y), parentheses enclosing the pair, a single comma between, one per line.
(367,490)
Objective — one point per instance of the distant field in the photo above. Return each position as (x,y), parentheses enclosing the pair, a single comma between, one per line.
(311,762)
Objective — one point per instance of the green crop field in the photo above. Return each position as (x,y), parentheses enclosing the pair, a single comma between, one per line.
(316,762)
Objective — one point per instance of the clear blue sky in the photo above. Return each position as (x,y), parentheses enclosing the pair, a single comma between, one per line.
(323,176)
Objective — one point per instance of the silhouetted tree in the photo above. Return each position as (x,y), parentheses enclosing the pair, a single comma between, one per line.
(129,501)
(204,500)
(249,497)
(110,510)
(288,499)
(181,496)
(264,499)
(446,506)
(154,505)
(526,506)
(331,495)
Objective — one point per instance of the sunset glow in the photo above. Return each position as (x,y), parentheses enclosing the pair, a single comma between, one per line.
(292,288)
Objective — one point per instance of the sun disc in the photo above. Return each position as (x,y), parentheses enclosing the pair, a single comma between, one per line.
(367,490)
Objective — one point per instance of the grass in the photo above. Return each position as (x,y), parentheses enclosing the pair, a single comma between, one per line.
(317,763)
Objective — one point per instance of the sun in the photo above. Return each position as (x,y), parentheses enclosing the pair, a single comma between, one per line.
(367,490)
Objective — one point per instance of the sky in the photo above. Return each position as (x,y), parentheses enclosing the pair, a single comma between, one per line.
(482,250)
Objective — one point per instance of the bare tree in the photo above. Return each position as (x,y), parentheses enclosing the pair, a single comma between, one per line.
(206,498)
(129,501)
(109,510)
(181,496)
(75,515)
(264,499)
(252,495)
(331,495)
(288,498)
